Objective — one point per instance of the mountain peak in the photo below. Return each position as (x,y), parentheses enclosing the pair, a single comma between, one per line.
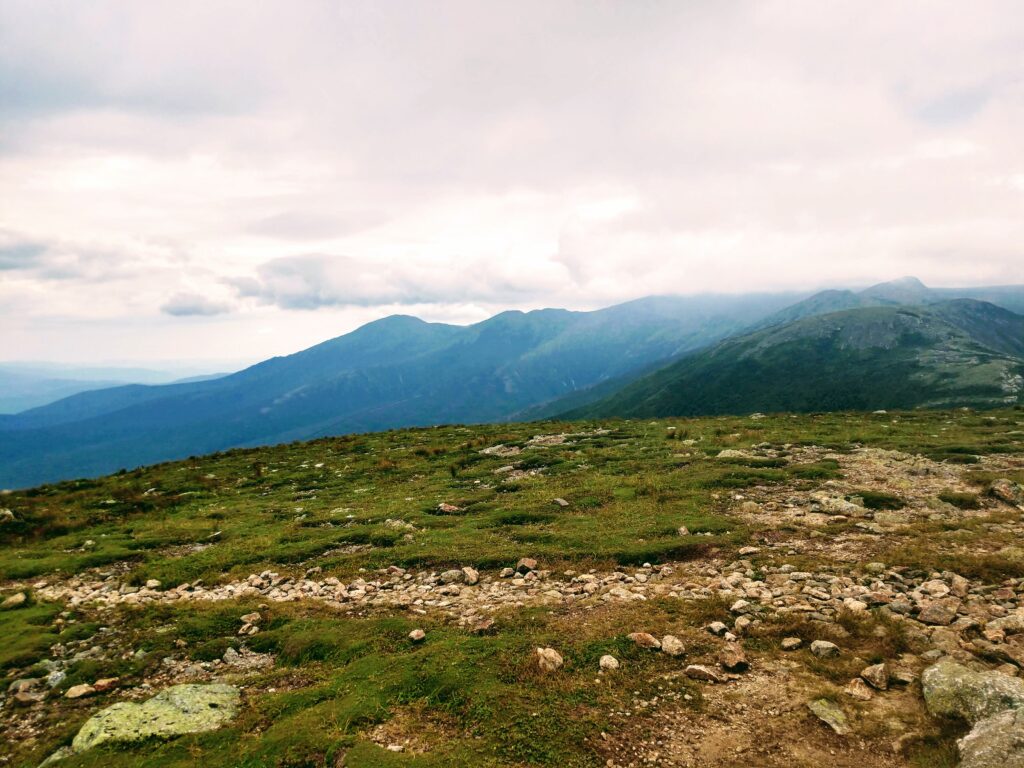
(905,290)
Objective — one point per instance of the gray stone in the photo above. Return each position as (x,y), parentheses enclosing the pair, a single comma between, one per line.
(996,742)
(175,711)
(608,663)
(953,690)
(548,659)
(824,649)
(16,600)
(830,713)
(672,645)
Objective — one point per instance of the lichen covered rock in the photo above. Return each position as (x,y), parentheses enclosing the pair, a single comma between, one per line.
(953,690)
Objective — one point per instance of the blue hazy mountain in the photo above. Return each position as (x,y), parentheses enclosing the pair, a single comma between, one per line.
(395,372)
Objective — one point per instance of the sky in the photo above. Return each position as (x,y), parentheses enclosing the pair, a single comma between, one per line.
(226,181)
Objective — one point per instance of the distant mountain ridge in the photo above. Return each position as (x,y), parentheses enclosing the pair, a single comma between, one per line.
(395,372)
(951,353)
(906,291)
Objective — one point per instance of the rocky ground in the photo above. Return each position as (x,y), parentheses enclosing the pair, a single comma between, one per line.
(805,646)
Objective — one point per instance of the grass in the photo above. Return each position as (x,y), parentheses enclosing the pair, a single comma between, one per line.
(333,503)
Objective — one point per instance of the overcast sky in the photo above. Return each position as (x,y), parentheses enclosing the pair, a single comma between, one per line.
(233,180)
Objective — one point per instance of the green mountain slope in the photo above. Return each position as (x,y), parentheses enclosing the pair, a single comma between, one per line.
(396,372)
(959,352)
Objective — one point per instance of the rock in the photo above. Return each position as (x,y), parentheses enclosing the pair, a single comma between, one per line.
(6,516)
(877,676)
(471,576)
(717,628)
(858,689)
(1008,491)
(995,742)
(830,714)
(733,659)
(953,690)
(27,698)
(105,684)
(448,509)
(749,551)
(16,600)
(152,584)
(175,711)
(561,502)
(417,635)
(824,649)
(548,659)
(941,612)
(791,643)
(732,453)
(700,672)
(682,530)
(251,618)
(672,645)
(482,627)
(645,640)
(525,565)
(608,663)
(78,691)
(23,685)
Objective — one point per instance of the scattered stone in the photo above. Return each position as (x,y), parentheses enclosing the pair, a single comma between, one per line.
(454,576)
(251,618)
(830,713)
(858,689)
(791,643)
(561,502)
(941,612)
(417,635)
(16,600)
(1008,491)
(448,509)
(471,576)
(78,691)
(608,663)
(717,628)
(645,640)
(548,659)
(824,649)
(877,676)
(733,659)
(672,645)
(682,530)
(701,672)
(526,565)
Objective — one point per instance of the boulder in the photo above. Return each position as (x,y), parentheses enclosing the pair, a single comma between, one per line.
(608,663)
(953,690)
(791,643)
(417,635)
(940,612)
(995,742)
(701,672)
(173,712)
(525,565)
(471,576)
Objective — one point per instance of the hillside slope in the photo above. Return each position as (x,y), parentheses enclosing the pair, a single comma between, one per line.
(399,371)
(959,352)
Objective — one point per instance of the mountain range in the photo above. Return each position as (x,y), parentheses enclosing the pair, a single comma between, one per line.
(897,344)
(395,372)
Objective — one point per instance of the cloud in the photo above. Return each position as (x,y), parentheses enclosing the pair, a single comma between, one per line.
(191,304)
(17,253)
(456,158)
(320,280)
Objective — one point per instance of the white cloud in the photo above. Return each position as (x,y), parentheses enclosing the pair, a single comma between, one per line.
(304,168)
